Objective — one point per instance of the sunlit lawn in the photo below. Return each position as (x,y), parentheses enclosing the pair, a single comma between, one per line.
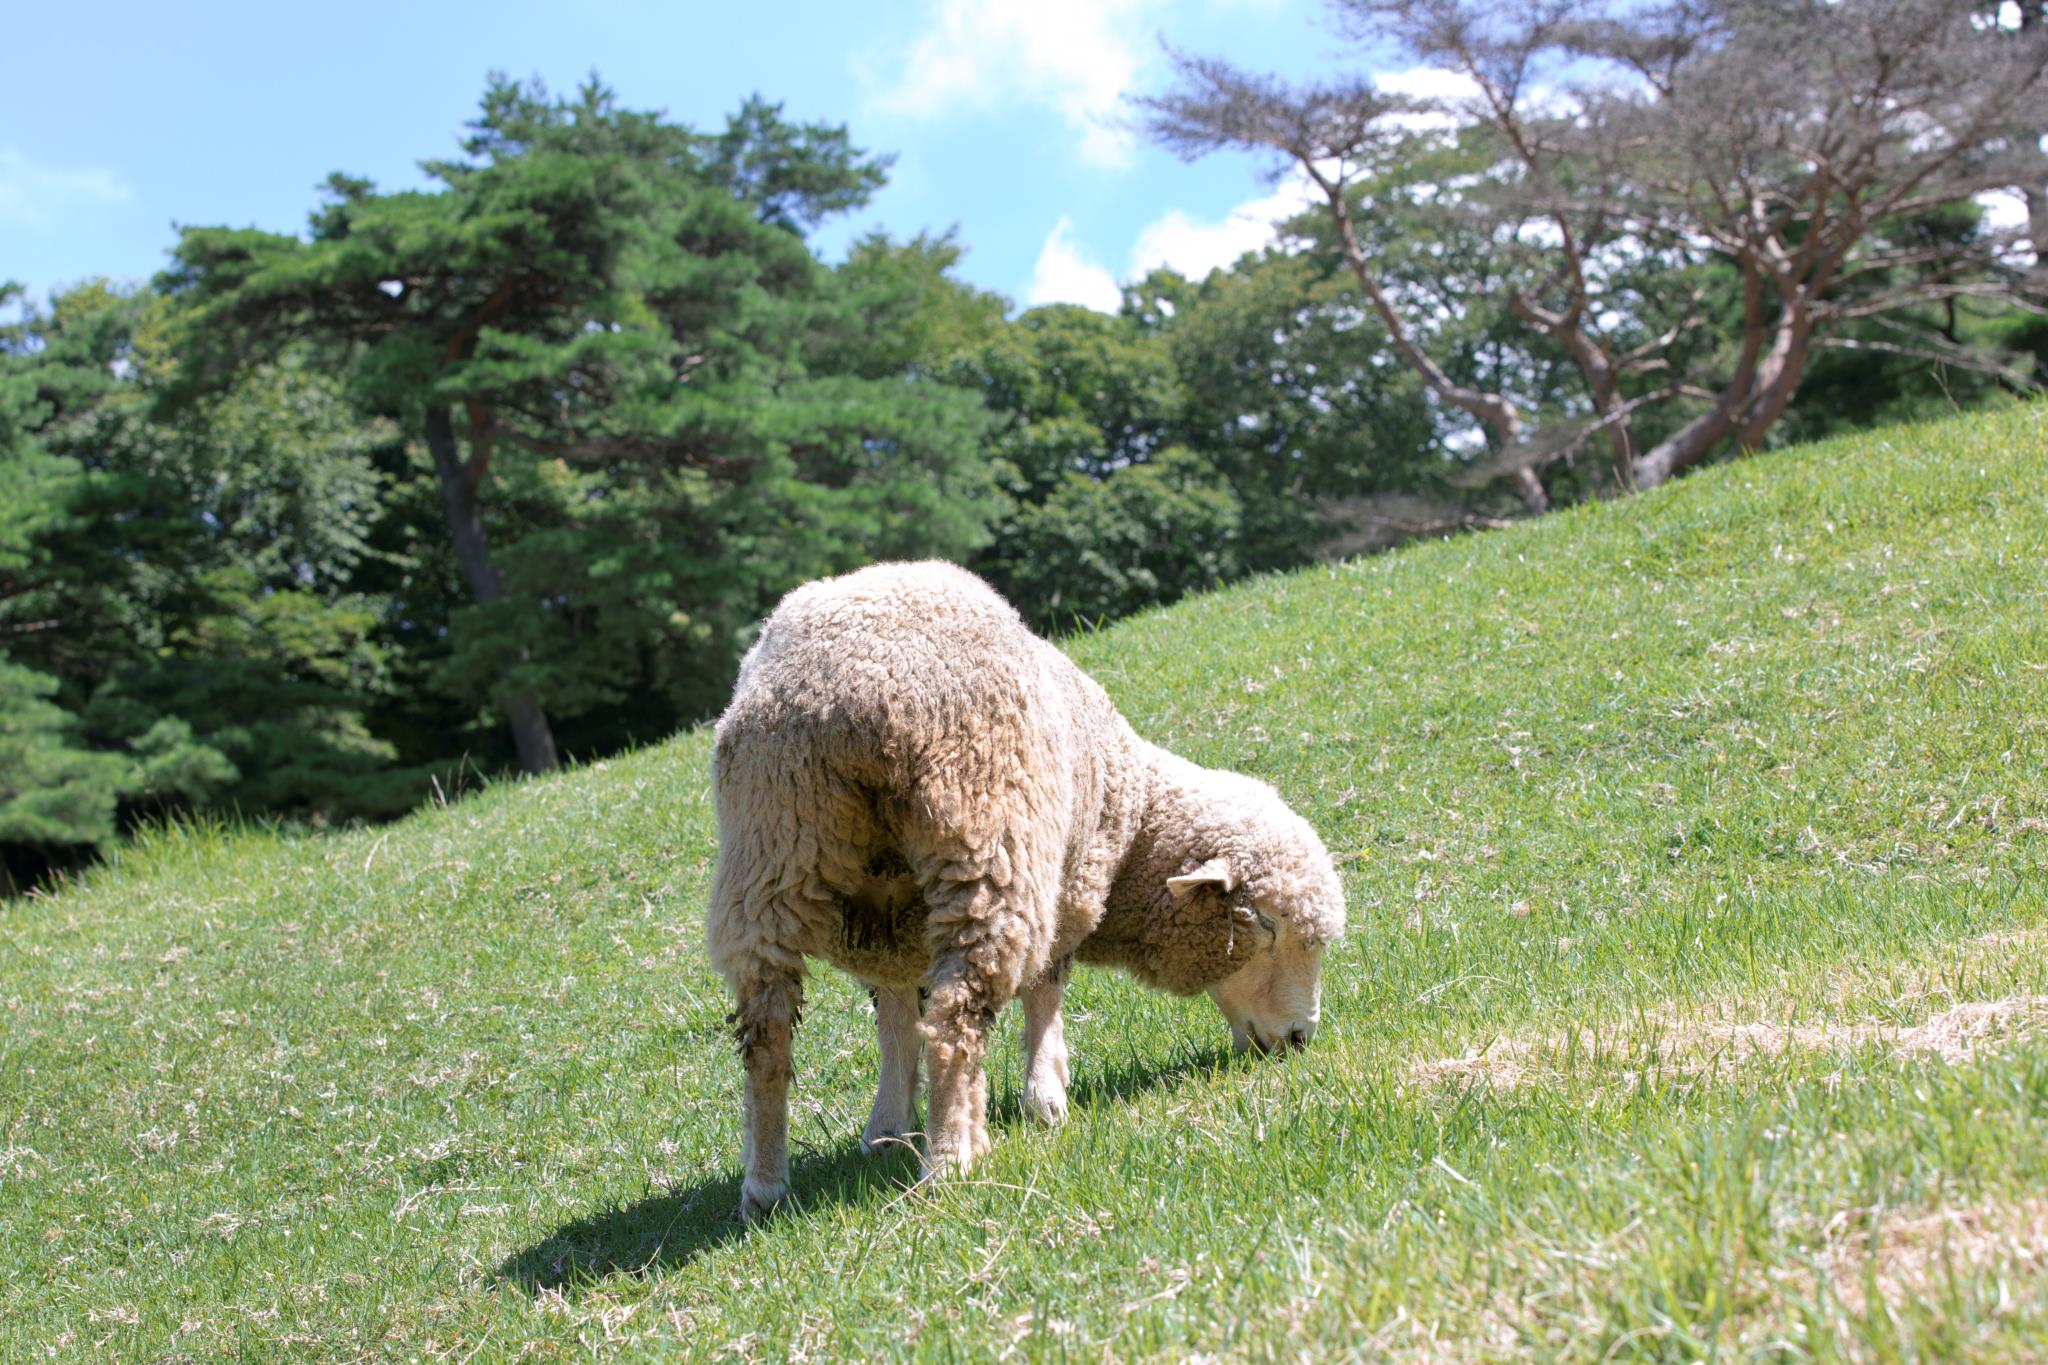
(1694,1006)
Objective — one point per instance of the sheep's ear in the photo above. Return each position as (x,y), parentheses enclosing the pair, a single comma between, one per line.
(1215,872)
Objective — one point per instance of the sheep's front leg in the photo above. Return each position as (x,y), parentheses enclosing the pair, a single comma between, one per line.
(1045,1047)
(766,1017)
(895,1111)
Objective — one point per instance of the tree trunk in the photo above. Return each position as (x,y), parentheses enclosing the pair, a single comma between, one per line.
(1596,367)
(1778,377)
(1694,441)
(460,501)
(1686,446)
(2033,186)
(532,736)
(1494,410)
(1529,488)
(2036,198)
(1746,409)
(1604,386)
(1608,408)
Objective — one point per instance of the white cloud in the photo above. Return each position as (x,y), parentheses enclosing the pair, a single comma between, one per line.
(2006,211)
(1458,94)
(1064,275)
(1076,57)
(1428,83)
(1181,242)
(1175,240)
(37,196)
(1448,88)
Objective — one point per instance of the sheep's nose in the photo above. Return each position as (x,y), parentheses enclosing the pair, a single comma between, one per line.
(1280,1044)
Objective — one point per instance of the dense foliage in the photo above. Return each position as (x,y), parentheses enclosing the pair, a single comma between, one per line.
(503,470)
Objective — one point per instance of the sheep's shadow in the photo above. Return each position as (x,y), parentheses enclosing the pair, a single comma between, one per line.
(1121,1081)
(667,1231)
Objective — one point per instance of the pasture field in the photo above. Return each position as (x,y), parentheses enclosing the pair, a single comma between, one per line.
(1695,1004)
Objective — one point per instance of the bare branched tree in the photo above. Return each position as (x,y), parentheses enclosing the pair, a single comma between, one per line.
(1798,142)
(1795,144)
(1336,135)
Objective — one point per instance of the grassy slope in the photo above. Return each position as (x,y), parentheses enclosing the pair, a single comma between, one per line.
(1764,747)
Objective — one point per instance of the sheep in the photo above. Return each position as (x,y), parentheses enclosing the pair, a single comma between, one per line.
(914,787)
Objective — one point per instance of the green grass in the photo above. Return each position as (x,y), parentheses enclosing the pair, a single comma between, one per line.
(1769,746)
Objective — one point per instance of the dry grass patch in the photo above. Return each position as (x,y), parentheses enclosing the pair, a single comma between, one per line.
(1662,1046)
(1556,1297)
(1908,1257)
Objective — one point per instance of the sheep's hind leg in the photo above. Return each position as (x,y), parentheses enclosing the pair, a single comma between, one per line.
(895,1112)
(957,1022)
(979,951)
(1045,1047)
(769,1005)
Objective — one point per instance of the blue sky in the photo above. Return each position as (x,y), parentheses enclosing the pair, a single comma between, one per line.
(122,119)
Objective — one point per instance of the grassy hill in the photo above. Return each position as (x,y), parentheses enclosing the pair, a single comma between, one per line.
(1694,1005)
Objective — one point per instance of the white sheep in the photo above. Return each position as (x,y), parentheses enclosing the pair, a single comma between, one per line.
(913,786)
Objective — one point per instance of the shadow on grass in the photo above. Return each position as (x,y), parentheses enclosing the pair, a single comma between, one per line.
(1094,1086)
(667,1231)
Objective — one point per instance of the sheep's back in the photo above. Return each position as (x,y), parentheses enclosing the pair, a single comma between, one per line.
(896,670)
(902,724)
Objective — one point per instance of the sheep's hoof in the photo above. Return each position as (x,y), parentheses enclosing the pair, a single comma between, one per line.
(944,1164)
(881,1137)
(1048,1106)
(757,1200)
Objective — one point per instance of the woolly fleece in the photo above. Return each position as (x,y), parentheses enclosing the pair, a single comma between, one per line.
(914,787)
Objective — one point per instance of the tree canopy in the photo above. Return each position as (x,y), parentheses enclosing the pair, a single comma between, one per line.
(504,469)
(1616,172)
(580,327)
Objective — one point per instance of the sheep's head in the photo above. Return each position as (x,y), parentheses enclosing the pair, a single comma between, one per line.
(1279,904)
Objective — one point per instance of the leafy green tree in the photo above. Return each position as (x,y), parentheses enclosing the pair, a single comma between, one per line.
(1098,548)
(1207,430)
(1108,514)
(896,309)
(1285,400)
(1083,392)
(54,794)
(175,611)
(599,326)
